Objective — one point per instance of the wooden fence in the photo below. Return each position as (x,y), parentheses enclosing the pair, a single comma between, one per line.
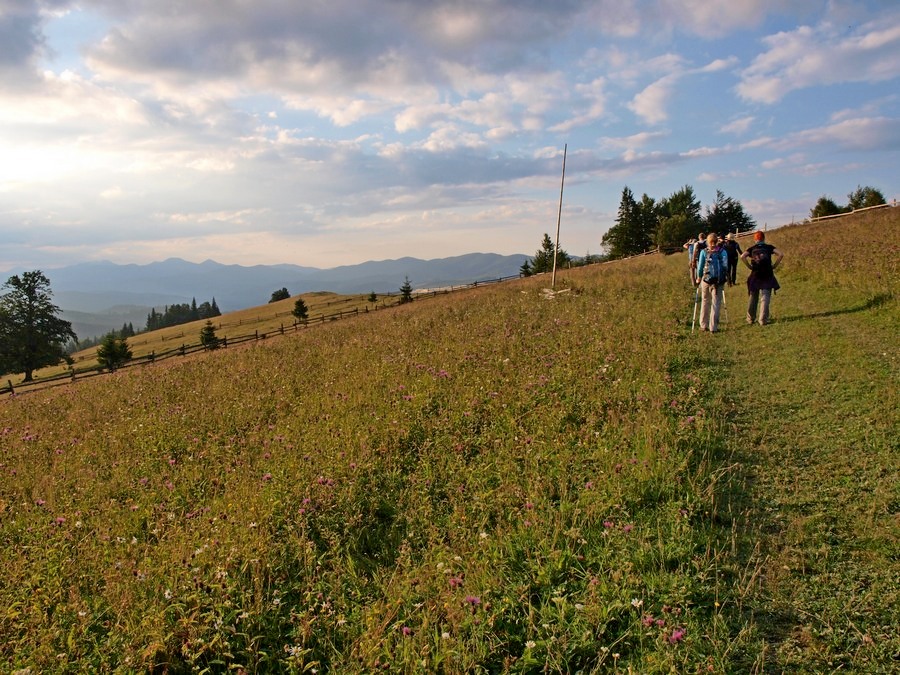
(225,341)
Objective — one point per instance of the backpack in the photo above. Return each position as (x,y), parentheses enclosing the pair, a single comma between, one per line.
(761,260)
(716,270)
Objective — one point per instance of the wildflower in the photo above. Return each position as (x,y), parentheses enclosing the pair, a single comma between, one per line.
(483,535)
(445,635)
(455,582)
(628,528)
(40,502)
(167,594)
(406,630)
(676,636)
(59,520)
(608,524)
(171,461)
(637,602)
(267,476)
(648,620)
(529,505)
(473,600)
(589,485)
(530,644)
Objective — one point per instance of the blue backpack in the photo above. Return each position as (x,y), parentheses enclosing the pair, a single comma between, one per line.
(716,270)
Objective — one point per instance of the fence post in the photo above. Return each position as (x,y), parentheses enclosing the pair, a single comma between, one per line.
(11,390)
(282,329)
(152,355)
(256,333)
(182,349)
(225,341)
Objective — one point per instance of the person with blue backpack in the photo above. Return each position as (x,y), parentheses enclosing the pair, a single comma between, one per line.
(712,272)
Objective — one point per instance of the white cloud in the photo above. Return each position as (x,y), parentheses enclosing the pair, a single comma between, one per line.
(738,127)
(651,104)
(823,55)
(870,134)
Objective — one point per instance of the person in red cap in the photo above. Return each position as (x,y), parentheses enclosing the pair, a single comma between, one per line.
(761,259)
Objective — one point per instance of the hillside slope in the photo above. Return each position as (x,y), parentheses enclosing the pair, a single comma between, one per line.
(500,480)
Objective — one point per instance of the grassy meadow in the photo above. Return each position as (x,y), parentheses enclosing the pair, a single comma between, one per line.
(269,319)
(497,480)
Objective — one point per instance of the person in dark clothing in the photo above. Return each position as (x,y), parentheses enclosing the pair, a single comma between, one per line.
(733,249)
(695,257)
(761,259)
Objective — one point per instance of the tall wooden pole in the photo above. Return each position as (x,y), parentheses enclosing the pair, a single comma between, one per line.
(559,217)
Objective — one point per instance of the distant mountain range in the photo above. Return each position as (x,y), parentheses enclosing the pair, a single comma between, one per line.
(101,296)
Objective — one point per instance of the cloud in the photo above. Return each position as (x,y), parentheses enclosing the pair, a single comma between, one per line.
(826,54)
(738,127)
(651,104)
(866,134)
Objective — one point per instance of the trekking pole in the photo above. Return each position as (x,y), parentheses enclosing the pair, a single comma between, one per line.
(696,300)
(725,305)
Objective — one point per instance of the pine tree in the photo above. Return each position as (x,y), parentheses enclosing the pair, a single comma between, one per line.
(727,215)
(301,311)
(406,292)
(113,352)
(543,257)
(31,334)
(625,237)
(208,337)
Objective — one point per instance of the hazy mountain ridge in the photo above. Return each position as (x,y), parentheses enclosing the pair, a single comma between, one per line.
(100,296)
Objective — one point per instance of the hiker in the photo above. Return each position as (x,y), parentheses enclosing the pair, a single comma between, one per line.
(689,247)
(762,282)
(695,257)
(734,251)
(712,271)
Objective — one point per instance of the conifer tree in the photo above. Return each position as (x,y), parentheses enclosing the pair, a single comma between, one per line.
(113,352)
(406,292)
(727,215)
(300,311)
(543,257)
(31,334)
(208,337)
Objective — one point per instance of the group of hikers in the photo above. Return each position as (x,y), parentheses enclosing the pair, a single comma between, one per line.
(713,261)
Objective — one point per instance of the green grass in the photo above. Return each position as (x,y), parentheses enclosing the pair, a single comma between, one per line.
(491,481)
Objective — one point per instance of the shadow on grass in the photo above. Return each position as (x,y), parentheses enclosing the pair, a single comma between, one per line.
(878,300)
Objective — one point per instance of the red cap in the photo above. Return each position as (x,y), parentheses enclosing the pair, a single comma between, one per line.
(759,236)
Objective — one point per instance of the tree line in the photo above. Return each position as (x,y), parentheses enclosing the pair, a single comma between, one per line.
(666,224)
(860,198)
(175,315)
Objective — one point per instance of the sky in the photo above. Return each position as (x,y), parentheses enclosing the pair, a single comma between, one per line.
(327,133)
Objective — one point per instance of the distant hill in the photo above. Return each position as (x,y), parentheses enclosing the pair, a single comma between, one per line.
(101,296)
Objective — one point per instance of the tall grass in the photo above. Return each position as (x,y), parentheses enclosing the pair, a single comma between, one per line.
(501,480)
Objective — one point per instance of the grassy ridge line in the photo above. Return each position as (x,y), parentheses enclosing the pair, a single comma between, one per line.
(814,402)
